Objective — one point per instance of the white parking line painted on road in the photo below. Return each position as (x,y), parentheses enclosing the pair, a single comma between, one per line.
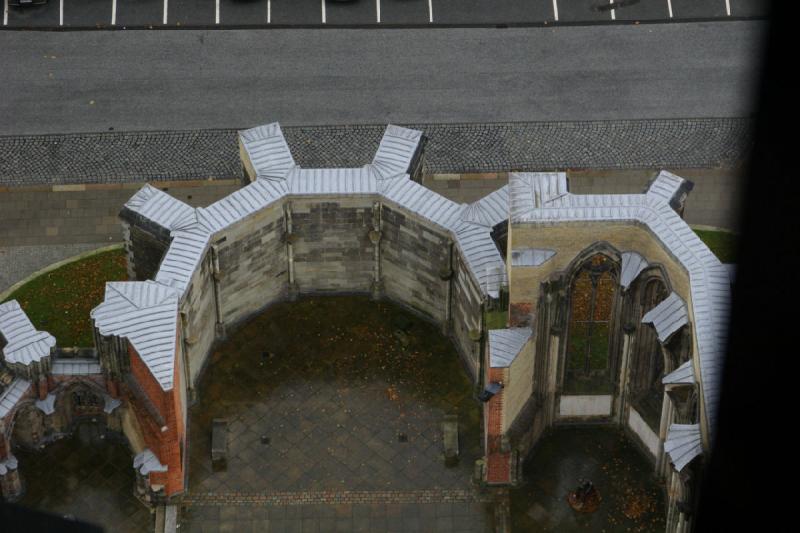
(613,15)
(165,12)
(378,10)
(430,10)
(269,11)
(113,12)
(60,12)
(669,6)
(728,7)
(216,12)
(323,11)
(5,13)
(555,9)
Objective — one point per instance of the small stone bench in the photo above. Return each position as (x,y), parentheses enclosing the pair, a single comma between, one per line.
(219,442)
(450,439)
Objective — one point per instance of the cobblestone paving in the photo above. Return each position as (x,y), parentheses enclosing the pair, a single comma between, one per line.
(179,155)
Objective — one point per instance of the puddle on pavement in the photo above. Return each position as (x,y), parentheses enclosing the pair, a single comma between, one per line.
(623,476)
(88,476)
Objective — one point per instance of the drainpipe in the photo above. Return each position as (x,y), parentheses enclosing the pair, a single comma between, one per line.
(216,275)
(375,236)
(186,342)
(447,275)
(290,238)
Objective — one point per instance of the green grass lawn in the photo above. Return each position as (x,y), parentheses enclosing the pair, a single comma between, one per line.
(722,243)
(59,302)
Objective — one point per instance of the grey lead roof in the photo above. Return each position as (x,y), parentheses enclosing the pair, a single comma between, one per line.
(666,186)
(146,462)
(668,316)
(9,463)
(632,266)
(146,313)
(26,344)
(709,281)
(684,442)
(76,367)
(12,395)
(683,375)
(505,345)
(395,151)
(277,177)
(523,257)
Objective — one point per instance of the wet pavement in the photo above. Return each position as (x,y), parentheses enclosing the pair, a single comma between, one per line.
(88,476)
(631,498)
(336,395)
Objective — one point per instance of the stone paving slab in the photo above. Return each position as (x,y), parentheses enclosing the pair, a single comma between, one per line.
(452,148)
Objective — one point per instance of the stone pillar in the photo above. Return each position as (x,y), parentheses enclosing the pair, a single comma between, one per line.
(291,238)
(216,276)
(624,372)
(446,275)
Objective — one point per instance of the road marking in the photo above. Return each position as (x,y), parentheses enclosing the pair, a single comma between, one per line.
(269,11)
(669,5)
(216,12)
(323,11)
(728,7)
(613,15)
(555,9)
(430,10)
(60,12)
(113,12)
(378,10)
(165,12)
(5,13)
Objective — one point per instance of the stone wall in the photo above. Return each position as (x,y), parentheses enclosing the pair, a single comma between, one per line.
(199,317)
(332,250)
(253,264)
(465,310)
(145,245)
(413,255)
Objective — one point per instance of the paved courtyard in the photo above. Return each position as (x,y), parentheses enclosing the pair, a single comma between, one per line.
(88,476)
(335,407)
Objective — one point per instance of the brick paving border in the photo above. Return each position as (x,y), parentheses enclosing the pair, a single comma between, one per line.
(338,497)
(116,157)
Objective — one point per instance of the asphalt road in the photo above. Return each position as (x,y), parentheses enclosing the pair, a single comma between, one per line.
(60,82)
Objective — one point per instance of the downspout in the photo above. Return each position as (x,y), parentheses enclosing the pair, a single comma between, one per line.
(287,211)
(216,275)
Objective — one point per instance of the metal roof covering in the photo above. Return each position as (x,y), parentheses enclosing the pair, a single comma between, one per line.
(731,268)
(395,151)
(268,151)
(146,462)
(48,405)
(25,343)
(709,281)
(666,186)
(684,442)
(531,191)
(668,316)
(632,266)
(158,206)
(12,395)
(76,367)
(9,463)
(146,313)
(505,345)
(683,375)
(490,210)
(277,177)
(530,256)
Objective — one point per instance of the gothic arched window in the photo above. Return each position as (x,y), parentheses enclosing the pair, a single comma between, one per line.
(588,368)
(647,362)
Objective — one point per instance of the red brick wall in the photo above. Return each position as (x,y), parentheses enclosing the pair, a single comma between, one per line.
(165,444)
(498,463)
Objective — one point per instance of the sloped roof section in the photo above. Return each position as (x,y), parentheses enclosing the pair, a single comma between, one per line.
(395,152)
(709,280)
(145,313)
(424,202)
(489,210)
(482,257)
(26,344)
(158,206)
(669,188)
(12,395)
(683,375)
(684,442)
(268,151)
(531,191)
(506,344)
(76,367)
(347,181)
(525,257)
(668,316)
(632,266)
(146,462)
